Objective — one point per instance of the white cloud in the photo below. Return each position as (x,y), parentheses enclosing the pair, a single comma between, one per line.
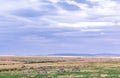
(91,30)
(104,13)
(34,0)
(118,23)
(54,1)
(86,24)
(91,27)
(12,5)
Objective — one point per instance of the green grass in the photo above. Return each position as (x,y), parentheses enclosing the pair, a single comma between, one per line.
(100,72)
(110,74)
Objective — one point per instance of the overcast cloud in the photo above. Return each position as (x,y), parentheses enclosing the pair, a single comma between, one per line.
(41,27)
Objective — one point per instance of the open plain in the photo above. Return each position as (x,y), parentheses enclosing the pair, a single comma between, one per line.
(59,67)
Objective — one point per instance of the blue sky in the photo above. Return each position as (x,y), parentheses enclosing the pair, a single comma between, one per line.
(42,27)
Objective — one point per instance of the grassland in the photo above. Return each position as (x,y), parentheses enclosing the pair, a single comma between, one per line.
(59,67)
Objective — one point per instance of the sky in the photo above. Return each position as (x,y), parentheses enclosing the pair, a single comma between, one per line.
(43,27)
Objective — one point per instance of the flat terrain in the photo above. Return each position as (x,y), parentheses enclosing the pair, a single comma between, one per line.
(59,67)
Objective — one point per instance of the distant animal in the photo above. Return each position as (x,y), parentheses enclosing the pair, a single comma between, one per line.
(75,69)
(42,70)
(61,70)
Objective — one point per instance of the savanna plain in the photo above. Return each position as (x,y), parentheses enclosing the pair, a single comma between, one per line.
(59,67)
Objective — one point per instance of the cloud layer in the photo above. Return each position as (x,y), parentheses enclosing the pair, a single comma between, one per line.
(58,26)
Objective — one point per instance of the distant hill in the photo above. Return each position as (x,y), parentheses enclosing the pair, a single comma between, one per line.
(75,54)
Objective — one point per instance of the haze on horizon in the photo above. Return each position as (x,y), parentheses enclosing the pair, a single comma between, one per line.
(41,27)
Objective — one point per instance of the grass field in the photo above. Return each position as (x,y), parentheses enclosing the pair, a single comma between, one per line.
(59,67)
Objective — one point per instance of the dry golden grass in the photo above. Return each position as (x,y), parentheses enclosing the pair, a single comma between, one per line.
(94,67)
(7,62)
